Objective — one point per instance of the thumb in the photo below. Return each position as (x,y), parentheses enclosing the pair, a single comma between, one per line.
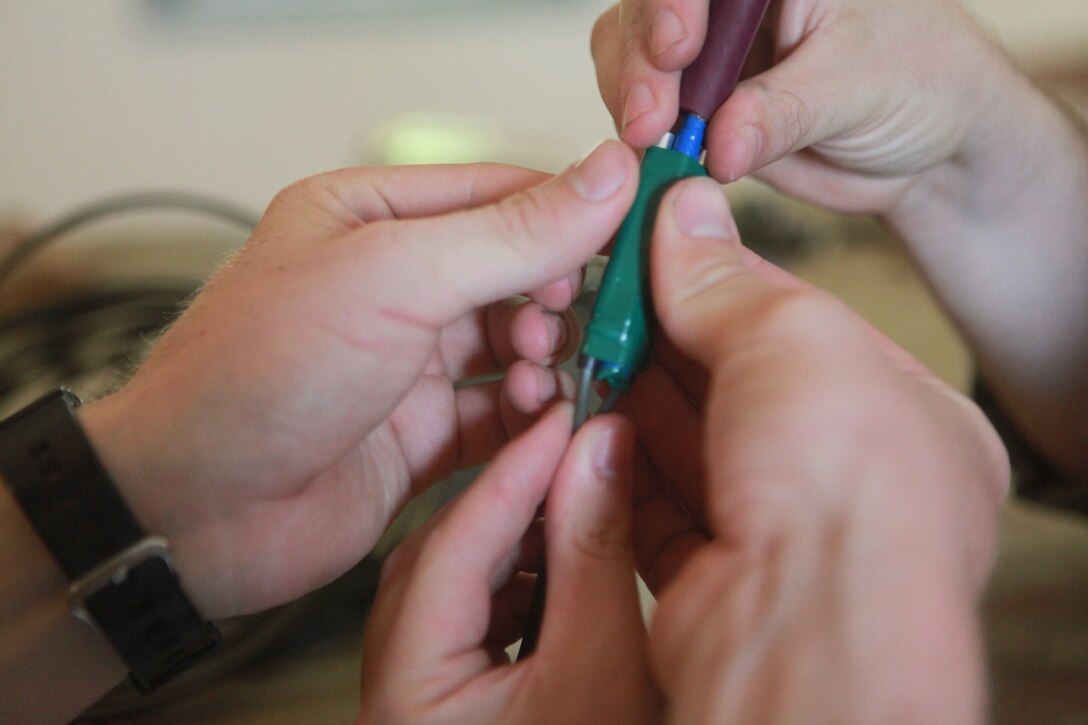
(696,249)
(592,602)
(444,266)
(787,108)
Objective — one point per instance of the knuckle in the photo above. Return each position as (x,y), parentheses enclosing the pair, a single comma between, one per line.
(291,196)
(801,314)
(704,275)
(517,216)
(525,218)
(799,117)
(630,57)
(813,329)
(790,112)
(603,29)
(608,540)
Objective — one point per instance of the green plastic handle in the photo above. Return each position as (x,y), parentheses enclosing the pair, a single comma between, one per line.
(618,335)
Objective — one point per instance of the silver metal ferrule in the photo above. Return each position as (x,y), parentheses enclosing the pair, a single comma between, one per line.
(114,570)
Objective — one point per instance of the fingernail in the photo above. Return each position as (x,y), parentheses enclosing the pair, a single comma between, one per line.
(665,32)
(557,332)
(640,100)
(610,453)
(545,384)
(599,175)
(702,211)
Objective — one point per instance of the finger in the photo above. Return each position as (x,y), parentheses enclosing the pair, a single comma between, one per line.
(396,285)
(642,99)
(695,252)
(327,205)
(557,296)
(773,345)
(483,423)
(396,575)
(530,553)
(816,93)
(477,344)
(666,534)
(435,446)
(689,377)
(671,431)
(718,302)
(660,38)
(445,610)
(510,610)
(901,359)
(592,599)
(673,31)
(528,390)
(490,339)
(670,476)
(535,334)
(541,329)
(488,415)
(606,46)
(454,263)
(704,278)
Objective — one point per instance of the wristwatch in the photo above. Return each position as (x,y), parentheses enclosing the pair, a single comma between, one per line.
(122,581)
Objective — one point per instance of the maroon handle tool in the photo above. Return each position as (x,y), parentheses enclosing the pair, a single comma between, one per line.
(712,77)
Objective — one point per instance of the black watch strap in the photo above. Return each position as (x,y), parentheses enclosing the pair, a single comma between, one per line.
(122,581)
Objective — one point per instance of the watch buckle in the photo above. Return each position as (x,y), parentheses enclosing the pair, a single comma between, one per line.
(114,570)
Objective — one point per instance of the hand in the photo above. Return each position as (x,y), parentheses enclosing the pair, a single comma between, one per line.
(308,391)
(817,512)
(875,91)
(908,111)
(450,599)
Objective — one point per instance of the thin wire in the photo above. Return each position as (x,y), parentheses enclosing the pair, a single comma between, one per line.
(184,201)
(581,400)
(89,340)
(609,402)
(535,616)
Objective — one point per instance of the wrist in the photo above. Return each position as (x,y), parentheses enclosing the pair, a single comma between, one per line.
(1013,146)
(981,110)
(999,231)
(40,635)
(115,577)
(153,492)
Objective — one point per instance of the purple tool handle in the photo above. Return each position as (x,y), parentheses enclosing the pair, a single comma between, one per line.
(711,78)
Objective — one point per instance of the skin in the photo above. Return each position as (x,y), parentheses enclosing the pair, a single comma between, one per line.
(309,391)
(811,563)
(451,598)
(357,304)
(815,511)
(909,112)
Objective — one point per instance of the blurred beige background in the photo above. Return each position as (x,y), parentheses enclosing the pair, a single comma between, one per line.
(106,96)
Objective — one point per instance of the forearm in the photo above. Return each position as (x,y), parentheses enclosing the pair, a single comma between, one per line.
(1001,232)
(52,666)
